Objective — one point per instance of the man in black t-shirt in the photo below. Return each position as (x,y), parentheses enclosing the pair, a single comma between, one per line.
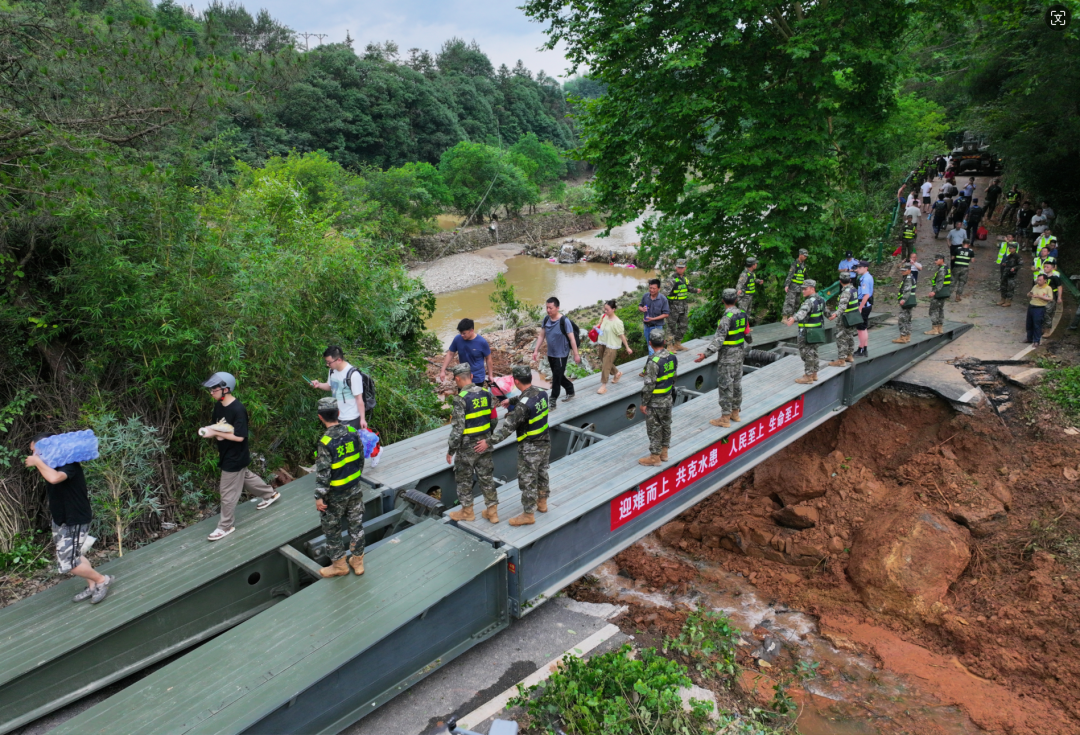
(993,195)
(69,506)
(230,428)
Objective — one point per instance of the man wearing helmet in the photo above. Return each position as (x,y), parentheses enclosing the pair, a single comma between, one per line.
(229,428)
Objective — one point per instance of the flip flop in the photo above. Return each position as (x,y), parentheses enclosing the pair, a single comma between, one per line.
(218,534)
(268,502)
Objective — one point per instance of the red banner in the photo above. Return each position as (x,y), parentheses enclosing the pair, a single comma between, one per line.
(656,490)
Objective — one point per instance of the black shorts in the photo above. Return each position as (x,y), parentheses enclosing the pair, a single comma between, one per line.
(926,200)
(865,311)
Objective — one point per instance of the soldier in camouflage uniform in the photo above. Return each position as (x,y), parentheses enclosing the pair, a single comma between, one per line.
(471,421)
(941,279)
(961,263)
(809,316)
(907,288)
(528,417)
(729,340)
(747,286)
(656,399)
(845,335)
(793,284)
(1010,267)
(678,291)
(338,493)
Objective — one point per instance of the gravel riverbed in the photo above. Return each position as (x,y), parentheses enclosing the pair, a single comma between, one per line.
(465,269)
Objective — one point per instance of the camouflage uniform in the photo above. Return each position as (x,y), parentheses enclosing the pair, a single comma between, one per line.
(937,305)
(904,320)
(1010,266)
(347,501)
(679,320)
(791,298)
(658,418)
(728,364)
(746,301)
(534,452)
(807,351)
(845,335)
(960,271)
(466,460)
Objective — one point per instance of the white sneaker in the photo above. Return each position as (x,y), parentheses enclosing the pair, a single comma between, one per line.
(218,534)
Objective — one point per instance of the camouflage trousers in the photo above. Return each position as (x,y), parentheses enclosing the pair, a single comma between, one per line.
(1048,317)
(466,462)
(658,426)
(937,311)
(906,248)
(1008,286)
(959,280)
(745,303)
(845,339)
(904,322)
(808,353)
(679,320)
(791,301)
(533,460)
(351,508)
(729,386)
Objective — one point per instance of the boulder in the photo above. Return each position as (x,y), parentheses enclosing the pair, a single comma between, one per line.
(765,542)
(672,533)
(1000,492)
(982,514)
(903,561)
(796,516)
(794,481)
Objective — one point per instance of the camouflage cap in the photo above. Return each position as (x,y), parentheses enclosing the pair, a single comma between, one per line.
(939,256)
(729,293)
(751,261)
(809,283)
(804,251)
(680,263)
(462,368)
(845,276)
(521,372)
(327,402)
(657,337)
(905,266)
(1013,245)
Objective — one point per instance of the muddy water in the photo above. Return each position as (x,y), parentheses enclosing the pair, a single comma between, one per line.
(534,281)
(620,238)
(850,696)
(448,221)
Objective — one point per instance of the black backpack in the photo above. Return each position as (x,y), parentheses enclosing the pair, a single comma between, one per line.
(562,328)
(367,382)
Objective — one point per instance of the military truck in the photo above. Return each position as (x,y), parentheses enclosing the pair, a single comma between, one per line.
(973,158)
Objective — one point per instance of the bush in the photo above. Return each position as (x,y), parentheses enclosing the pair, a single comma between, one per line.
(25,553)
(708,639)
(510,311)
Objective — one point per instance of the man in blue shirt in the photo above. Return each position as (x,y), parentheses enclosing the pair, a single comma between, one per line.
(866,304)
(472,349)
(849,263)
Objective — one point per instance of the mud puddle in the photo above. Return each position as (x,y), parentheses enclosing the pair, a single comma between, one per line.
(849,696)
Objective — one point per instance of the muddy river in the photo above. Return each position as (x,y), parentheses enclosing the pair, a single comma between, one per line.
(534,281)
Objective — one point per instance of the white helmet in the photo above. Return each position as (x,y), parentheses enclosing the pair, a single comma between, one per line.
(221,380)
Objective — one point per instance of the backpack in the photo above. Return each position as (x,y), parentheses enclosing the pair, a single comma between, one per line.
(562,328)
(367,382)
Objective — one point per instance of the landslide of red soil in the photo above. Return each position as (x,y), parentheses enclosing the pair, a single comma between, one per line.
(655,571)
(1010,621)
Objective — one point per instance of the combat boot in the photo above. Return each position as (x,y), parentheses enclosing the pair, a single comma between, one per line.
(338,569)
(902,340)
(956,299)
(491,514)
(357,564)
(651,461)
(936,329)
(465,514)
(734,416)
(663,454)
(838,363)
(1008,302)
(805,380)
(722,421)
(850,358)
(541,505)
(813,376)
(525,519)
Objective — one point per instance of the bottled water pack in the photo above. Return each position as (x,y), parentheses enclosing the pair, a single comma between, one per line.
(62,449)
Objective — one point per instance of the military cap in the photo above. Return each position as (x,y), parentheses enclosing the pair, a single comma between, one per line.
(657,337)
(809,283)
(939,256)
(327,402)
(845,276)
(680,263)
(751,261)
(462,368)
(1013,245)
(521,372)
(804,251)
(729,293)
(905,266)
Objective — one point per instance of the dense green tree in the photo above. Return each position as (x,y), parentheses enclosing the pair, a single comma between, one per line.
(548,166)
(584,86)
(482,178)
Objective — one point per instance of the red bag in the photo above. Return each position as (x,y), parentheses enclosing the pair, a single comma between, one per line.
(594,333)
(981,233)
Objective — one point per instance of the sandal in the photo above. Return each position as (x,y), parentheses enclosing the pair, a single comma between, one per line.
(218,534)
(268,502)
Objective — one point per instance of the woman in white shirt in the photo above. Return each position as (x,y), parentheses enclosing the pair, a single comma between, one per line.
(612,337)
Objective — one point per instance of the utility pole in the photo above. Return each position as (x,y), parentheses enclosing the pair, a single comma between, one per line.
(307,36)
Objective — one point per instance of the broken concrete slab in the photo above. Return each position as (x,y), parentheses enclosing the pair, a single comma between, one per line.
(1021,375)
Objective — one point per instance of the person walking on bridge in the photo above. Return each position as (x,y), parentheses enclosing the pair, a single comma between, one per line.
(728,341)
(655,309)
(473,419)
(793,284)
(906,299)
(528,417)
(747,285)
(678,291)
(338,493)
(1010,268)
(961,263)
(940,289)
(811,318)
(558,331)
(848,303)
(657,396)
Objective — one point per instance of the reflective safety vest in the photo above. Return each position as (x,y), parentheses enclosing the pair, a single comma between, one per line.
(800,274)
(934,286)
(736,334)
(816,318)
(346,455)
(853,304)
(910,231)
(900,293)
(1002,251)
(1052,289)
(1038,269)
(536,414)
(751,284)
(680,289)
(1045,242)
(963,257)
(665,373)
(477,411)
(1012,197)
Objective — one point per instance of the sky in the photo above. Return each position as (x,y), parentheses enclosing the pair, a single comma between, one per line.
(504,33)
